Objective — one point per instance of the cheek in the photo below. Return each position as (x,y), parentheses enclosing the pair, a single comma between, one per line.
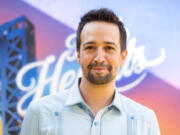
(115,63)
(84,60)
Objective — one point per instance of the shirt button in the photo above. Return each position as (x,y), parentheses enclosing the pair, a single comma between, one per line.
(95,123)
(132,117)
(56,113)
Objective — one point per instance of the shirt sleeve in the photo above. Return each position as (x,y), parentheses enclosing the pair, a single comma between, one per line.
(30,122)
(155,126)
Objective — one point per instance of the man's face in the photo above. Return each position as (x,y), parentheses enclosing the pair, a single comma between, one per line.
(100,55)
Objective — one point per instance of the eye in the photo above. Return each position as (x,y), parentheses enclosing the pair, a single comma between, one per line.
(110,48)
(89,47)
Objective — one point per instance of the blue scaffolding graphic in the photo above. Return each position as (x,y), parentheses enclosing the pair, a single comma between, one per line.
(17,48)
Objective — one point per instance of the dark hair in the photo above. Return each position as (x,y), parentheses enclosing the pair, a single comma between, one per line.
(105,15)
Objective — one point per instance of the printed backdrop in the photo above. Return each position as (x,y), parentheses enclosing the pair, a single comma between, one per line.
(151,75)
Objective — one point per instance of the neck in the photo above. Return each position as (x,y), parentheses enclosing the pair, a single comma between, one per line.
(97,96)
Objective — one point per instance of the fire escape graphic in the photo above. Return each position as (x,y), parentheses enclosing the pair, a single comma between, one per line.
(17,48)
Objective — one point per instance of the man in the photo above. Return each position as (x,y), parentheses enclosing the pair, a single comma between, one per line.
(93,106)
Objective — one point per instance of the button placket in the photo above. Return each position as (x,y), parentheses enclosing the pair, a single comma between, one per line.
(96,127)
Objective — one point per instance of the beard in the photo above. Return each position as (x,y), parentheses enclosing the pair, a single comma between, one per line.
(98,79)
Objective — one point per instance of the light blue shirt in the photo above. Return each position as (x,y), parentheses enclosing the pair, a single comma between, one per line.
(66,113)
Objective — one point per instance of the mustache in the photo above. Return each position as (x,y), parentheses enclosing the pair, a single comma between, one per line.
(96,64)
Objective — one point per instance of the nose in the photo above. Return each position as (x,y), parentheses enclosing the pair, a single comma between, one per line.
(99,55)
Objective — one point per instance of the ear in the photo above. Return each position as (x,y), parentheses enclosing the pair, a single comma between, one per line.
(123,57)
(78,56)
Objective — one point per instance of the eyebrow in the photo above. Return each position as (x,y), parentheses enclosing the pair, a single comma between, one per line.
(105,42)
(89,42)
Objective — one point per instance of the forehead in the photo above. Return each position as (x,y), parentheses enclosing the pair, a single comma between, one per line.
(99,30)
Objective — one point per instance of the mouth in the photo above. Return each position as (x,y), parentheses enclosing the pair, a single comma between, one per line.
(98,68)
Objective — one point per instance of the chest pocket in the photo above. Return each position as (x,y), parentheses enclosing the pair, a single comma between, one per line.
(138,126)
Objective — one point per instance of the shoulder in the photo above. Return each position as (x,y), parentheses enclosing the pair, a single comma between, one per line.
(49,103)
(135,109)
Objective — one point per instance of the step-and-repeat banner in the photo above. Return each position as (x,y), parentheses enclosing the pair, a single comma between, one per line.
(38,55)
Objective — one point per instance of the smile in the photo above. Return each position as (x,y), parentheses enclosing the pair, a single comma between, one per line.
(99,68)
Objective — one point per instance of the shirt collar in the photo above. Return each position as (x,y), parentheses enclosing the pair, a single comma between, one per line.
(117,101)
(75,97)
